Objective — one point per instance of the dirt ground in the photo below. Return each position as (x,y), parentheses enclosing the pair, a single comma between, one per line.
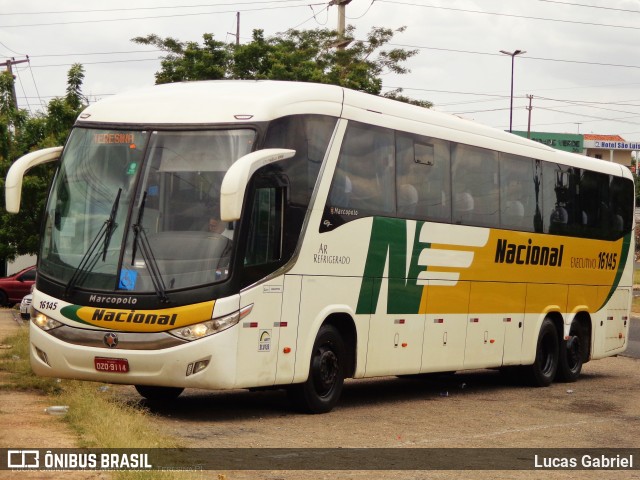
(24,422)
(476,409)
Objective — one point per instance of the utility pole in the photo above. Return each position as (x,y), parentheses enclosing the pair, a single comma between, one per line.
(8,65)
(342,43)
(237,34)
(530,97)
(237,28)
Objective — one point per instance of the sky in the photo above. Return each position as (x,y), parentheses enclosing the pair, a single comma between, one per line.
(580,70)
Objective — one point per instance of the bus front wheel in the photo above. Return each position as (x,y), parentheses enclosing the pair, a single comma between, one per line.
(321,392)
(544,369)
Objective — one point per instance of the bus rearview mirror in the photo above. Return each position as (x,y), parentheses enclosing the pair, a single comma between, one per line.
(235,181)
(13,183)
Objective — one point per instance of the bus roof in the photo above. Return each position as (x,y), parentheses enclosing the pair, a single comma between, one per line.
(242,101)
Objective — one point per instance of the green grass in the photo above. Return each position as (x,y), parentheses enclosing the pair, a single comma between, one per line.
(93,413)
(15,361)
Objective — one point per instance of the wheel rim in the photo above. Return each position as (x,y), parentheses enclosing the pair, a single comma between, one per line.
(574,355)
(326,368)
(547,357)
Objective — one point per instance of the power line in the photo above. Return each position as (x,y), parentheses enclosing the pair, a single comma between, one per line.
(34,84)
(72,22)
(97,63)
(524,57)
(620,119)
(363,14)
(590,6)
(312,17)
(510,15)
(92,53)
(181,7)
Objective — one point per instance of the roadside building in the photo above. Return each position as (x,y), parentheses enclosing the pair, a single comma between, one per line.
(612,148)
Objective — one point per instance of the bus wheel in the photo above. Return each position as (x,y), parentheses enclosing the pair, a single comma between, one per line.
(159,394)
(543,370)
(570,364)
(321,391)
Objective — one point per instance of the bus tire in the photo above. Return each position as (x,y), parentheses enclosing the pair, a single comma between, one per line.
(544,369)
(159,394)
(571,355)
(321,392)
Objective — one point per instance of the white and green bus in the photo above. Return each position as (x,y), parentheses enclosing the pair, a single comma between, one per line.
(240,234)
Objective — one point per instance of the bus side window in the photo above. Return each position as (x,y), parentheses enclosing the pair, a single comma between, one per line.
(621,200)
(365,174)
(475,175)
(517,193)
(264,242)
(423,178)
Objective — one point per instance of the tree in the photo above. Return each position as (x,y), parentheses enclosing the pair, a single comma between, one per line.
(296,55)
(21,133)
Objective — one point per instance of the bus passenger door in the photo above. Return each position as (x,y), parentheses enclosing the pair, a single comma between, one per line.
(260,330)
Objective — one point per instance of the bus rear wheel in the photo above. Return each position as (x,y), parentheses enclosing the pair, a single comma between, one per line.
(321,392)
(544,369)
(159,394)
(571,355)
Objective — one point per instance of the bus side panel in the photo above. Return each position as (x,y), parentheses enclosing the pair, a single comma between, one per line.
(445,332)
(395,340)
(493,338)
(259,333)
(611,330)
(320,298)
(287,347)
(542,298)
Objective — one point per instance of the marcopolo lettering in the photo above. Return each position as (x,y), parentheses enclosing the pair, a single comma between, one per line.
(528,254)
(102,315)
(114,300)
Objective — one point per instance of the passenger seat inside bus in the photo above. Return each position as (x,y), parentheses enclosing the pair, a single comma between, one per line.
(463,206)
(407,199)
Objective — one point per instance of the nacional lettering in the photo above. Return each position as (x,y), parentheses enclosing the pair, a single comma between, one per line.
(101,315)
(528,254)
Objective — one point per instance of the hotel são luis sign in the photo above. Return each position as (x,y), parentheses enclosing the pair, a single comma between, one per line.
(612,144)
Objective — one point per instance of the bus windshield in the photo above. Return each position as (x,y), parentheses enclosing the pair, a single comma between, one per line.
(138,211)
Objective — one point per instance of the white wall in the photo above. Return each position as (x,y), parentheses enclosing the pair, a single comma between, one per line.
(19,263)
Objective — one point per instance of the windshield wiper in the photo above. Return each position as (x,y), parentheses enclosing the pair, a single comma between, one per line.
(89,259)
(140,239)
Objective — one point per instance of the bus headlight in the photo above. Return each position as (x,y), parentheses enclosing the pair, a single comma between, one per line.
(45,323)
(204,329)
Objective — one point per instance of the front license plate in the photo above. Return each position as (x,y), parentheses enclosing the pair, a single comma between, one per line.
(113,365)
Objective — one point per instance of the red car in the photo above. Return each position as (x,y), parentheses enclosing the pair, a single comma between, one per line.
(13,288)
